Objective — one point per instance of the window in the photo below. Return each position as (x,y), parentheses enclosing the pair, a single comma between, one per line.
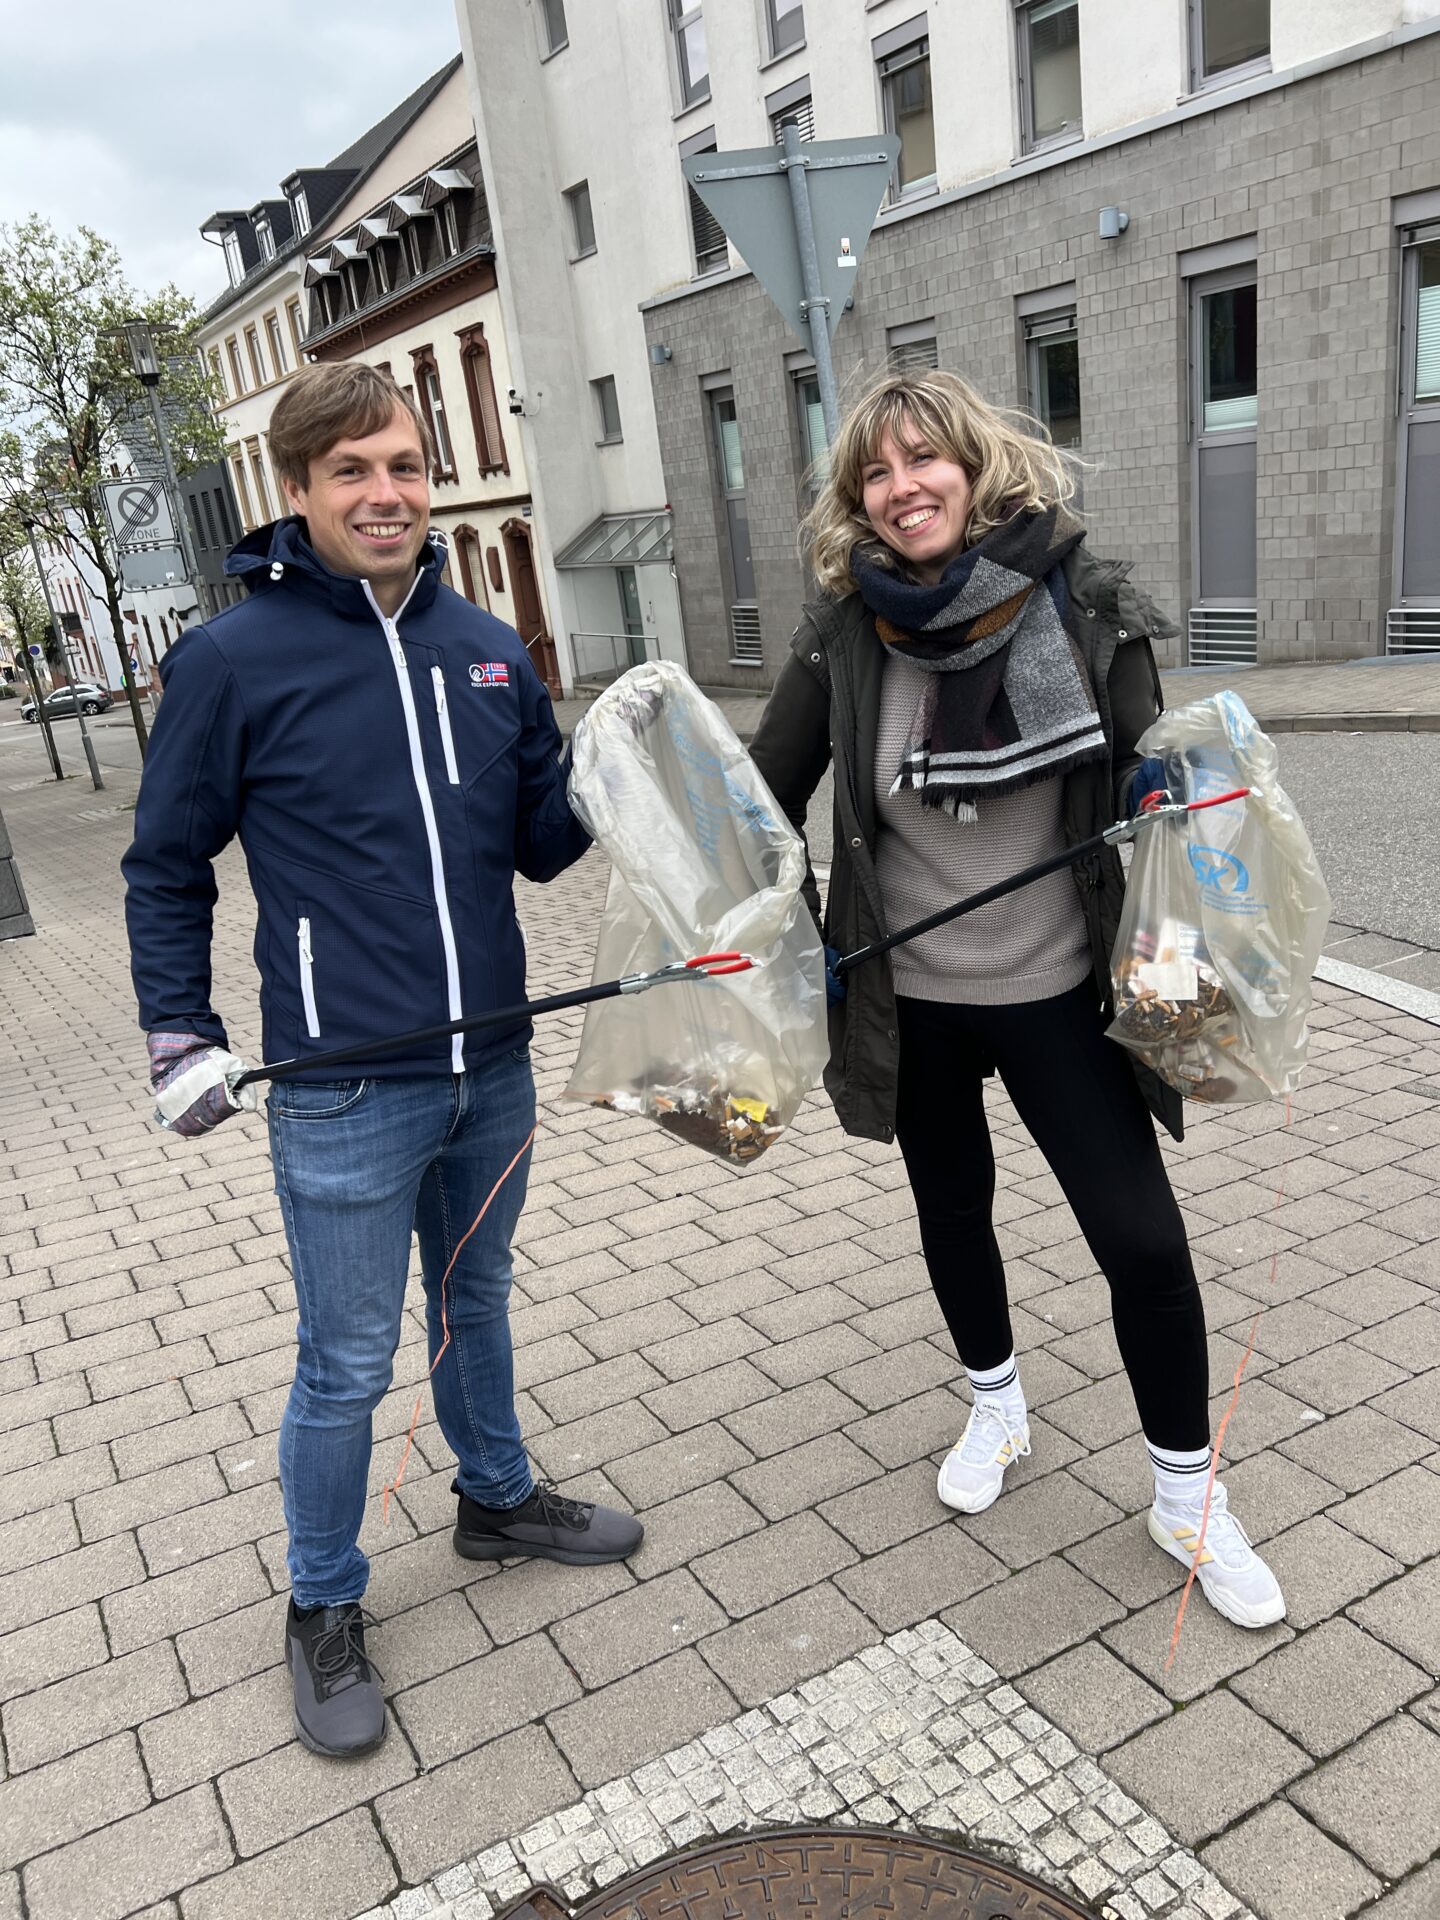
(234,258)
(415,245)
(607,403)
(1413,625)
(582,220)
(447,228)
(791,103)
(1049,71)
(1228,38)
(708,236)
(262,487)
(912,349)
(357,283)
(300,207)
(277,344)
(217,372)
(746,648)
(480,393)
(1227,356)
(297,329)
(810,416)
(1224,414)
(1052,372)
(237,374)
(265,238)
(327,296)
(242,491)
(692,63)
(432,407)
(903,61)
(252,347)
(787,24)
(381,266)
(552,19)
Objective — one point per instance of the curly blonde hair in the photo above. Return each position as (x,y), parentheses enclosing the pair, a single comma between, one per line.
(1009,457)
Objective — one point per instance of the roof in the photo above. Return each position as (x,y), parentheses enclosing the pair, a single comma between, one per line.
(360,158)
(621,540)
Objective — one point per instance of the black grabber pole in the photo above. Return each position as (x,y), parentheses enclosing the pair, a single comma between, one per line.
(1122,830)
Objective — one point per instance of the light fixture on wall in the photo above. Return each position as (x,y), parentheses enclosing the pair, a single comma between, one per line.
(659,354)
(1112,223)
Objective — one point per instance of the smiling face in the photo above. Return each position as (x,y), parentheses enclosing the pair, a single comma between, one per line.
(367,507)
(918,501)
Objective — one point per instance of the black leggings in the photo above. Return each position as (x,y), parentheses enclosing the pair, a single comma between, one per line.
(1075,1092)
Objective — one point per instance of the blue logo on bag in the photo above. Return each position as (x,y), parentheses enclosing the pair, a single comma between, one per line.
(1218,871)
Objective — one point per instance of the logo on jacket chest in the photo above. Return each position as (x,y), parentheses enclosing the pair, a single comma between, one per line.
(489,673)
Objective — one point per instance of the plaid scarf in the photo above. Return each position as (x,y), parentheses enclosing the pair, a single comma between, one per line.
(1007,700)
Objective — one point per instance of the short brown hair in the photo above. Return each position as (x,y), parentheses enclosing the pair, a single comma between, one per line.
(342,400)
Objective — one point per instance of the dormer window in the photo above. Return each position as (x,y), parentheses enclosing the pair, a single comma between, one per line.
(355,281)
(265,238)
(449,229)
(414,247)
(301,208)
(234,259)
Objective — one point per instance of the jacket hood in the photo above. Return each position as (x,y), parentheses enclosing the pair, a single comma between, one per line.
(281,552)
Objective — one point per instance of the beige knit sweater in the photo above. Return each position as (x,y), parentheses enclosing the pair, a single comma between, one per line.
(1031,945)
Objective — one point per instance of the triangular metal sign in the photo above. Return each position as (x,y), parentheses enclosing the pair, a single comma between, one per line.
(749,195)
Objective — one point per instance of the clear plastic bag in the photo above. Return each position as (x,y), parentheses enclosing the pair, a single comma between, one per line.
(704,862)
(1224,918)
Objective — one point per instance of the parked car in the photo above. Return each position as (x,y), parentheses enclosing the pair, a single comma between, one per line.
(60,704)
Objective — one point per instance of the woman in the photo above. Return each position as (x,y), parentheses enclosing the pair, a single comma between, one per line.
(980,680)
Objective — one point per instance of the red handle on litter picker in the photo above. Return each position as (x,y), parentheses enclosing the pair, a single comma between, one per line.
(720,963)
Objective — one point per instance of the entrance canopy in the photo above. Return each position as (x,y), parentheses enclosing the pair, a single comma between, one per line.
(621,540)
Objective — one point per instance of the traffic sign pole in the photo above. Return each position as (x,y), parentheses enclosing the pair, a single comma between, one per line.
(182,523)
(815,307)
(59,633)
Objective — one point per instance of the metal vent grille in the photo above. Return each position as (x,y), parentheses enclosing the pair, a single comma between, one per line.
(1412,630)
(1222,637)
(745,646)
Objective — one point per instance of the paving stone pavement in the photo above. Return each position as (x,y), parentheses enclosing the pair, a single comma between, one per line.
(755,1362)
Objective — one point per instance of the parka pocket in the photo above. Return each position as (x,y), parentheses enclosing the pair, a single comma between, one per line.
(447,738)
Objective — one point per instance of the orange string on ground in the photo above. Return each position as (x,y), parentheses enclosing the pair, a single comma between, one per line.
(393,1485)
(1220,1435)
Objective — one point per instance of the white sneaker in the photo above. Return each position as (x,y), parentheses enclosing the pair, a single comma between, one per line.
(972,1472)
(1231,1575)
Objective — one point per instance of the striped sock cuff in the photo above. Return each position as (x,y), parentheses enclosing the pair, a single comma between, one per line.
(1193,1461)
(995,1382)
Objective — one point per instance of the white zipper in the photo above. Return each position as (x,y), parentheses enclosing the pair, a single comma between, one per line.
(307,978)
(447,739)
(427,809)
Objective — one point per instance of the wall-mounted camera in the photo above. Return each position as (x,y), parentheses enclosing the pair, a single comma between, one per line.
(517,405)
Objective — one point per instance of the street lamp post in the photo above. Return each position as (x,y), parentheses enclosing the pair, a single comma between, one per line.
(146,364)
(64,652)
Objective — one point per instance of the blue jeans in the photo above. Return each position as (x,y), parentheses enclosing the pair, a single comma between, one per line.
(359,1165)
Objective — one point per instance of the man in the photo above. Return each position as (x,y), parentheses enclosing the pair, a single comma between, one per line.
(388,759)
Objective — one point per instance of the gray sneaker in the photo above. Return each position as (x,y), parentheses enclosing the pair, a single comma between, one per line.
(339,1710)
(546,1526)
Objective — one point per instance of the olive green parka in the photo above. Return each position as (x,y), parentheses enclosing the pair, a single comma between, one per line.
(826,706)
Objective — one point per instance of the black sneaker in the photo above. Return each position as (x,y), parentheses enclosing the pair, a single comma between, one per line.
(339,1710)
(547,1526)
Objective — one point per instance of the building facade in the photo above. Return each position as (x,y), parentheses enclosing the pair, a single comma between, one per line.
(1200,239)
(395,267)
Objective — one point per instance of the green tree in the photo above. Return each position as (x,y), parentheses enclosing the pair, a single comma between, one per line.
(70,405)
(26,620)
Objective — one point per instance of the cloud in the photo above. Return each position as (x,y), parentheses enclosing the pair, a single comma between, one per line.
(142,124)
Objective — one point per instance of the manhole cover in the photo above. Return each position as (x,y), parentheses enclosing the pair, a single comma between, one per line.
(835,1873)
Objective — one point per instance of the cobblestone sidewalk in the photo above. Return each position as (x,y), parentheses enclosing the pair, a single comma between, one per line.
(755,1362)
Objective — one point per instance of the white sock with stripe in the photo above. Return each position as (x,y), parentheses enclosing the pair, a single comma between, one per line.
(1180,1477)
(1001,1386)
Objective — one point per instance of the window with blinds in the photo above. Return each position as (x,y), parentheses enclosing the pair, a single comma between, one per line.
(912,349)
(802,113)
(1427,321)
(711,251)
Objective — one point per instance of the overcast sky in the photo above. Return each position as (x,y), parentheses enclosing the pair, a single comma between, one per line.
(140,122)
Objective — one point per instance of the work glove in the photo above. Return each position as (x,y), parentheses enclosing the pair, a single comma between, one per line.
(834,985)
(188,1079)
(1148,778)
